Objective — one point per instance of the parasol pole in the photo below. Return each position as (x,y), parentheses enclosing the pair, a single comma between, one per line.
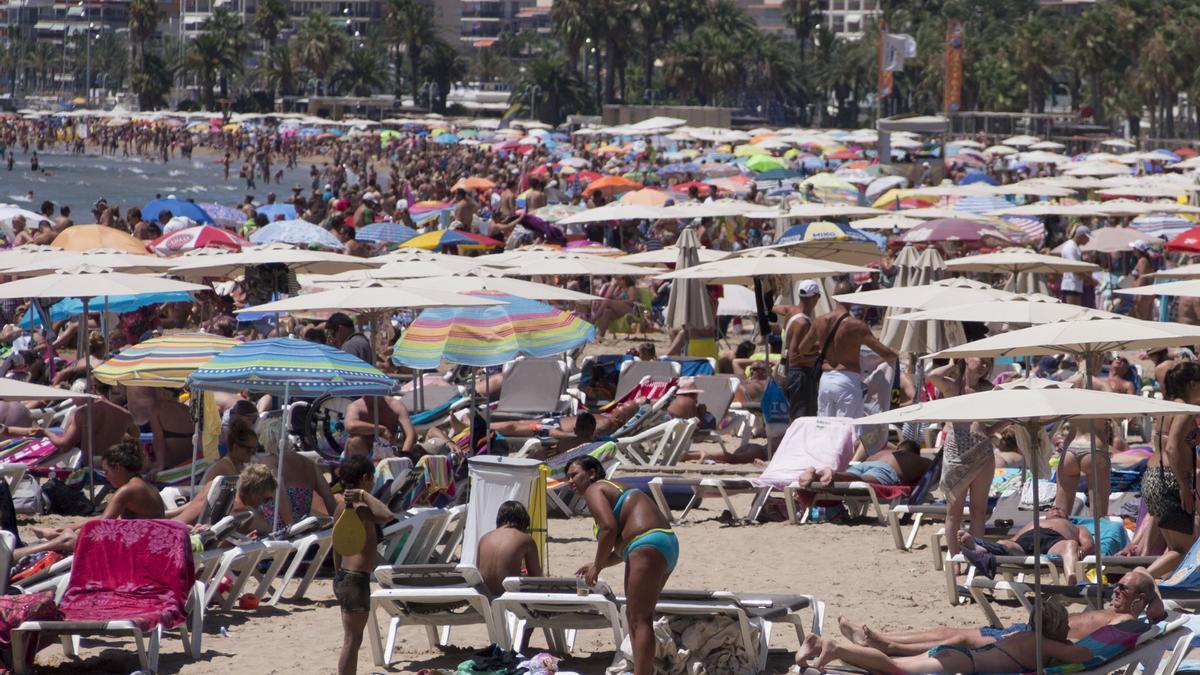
(1035,438)
(1095,488)
(276,521)
(87,389)
(487,415)
(197,401)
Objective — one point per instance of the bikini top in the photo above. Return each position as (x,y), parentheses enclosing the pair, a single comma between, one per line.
(620,503)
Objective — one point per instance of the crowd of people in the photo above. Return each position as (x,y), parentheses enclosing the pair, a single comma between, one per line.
(358,180)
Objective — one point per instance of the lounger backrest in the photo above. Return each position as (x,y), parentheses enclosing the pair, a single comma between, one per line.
(533,386)
(693,366)
(632,373)
(219,500)
(112,556)
(564,585)
(716,393)
(428,576)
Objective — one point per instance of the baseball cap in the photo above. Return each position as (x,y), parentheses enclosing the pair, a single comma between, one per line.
(809,289)
(338,320)
(1083,230)
(1141,245)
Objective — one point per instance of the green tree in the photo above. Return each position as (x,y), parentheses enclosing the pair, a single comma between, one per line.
(444,66)
(143,24)
(559,88)
(360,74)
(412,26)
(152,80)
(276,72)
(269,19)
(230,34)
(803,17)
(319,44)
(204,58)
(487,65)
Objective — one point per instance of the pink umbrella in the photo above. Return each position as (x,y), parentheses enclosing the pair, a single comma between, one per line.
(956,229)
(192,238)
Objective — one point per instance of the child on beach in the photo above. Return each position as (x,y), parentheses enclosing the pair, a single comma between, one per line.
(352,582)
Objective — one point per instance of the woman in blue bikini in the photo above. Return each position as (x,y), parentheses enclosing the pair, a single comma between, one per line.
(629,527)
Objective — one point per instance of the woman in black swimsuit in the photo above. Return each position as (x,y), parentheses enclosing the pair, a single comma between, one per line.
(1169,485)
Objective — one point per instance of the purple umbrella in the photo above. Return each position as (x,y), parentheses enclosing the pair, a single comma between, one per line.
(549,233)
(956,229)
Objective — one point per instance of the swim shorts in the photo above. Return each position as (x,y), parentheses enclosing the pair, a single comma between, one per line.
(352,590)
(881,472)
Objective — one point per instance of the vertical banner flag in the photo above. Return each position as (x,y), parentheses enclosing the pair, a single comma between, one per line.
(954,66)
(894,48)
(885,75)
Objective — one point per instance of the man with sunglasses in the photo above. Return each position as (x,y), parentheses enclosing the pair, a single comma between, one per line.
(1135,596)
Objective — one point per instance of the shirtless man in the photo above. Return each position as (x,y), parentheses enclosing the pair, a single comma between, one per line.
(1118,376)
(464,208)
(841,389)
(134,498)
(365,429)
(903,465)
(800,392)
(110,423)
(564,427)
(508,550)
(1059,537)
(1135,594)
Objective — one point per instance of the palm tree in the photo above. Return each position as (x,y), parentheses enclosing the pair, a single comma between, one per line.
(1036,53)
(204,58)
(319,44)
(143,24)
(227,27)
(413,27)
(571,25)
(360,73)
(803,17)
(44,59)
(488,66)
(152,80)
(269,19)
(276,73)
(559,87)
(444,66)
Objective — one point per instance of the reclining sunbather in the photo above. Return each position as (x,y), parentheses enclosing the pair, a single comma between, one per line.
(134,498)
(1134,596)
(902,466)
(1059,537)
(1010,654)
(564,427)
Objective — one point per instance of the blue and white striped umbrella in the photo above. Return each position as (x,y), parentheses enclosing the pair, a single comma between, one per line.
(298,233)
(1165,225)
(392,233)
(300,367)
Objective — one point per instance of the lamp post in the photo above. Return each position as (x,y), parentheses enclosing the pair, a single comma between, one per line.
(431,91)
(87,80)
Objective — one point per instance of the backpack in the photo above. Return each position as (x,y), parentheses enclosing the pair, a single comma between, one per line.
(28,499)
(65,500)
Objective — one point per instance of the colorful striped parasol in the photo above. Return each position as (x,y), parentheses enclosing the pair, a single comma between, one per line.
(297,367)
(440,239)
(163,361)
(489,336)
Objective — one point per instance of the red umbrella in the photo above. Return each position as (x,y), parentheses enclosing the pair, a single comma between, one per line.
(1187,241)
(842,154)
(584,177)
(955,229)
(1186,152)
(682,188)
(192,238)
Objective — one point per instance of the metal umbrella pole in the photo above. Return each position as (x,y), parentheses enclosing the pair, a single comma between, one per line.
(279,489)
(1095,489)
(87,389)
(1035,437)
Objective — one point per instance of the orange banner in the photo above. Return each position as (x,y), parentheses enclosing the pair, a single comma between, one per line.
(885,76)
(952,96)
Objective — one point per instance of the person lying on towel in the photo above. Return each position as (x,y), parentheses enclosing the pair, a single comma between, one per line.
(903,465)
(1135,596)
(1059,537)
(1010,654)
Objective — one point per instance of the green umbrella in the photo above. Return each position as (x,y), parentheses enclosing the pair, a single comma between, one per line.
(760,163)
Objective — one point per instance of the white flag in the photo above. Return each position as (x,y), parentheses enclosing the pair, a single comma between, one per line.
(896,48)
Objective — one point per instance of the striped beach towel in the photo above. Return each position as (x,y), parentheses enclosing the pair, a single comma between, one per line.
(1110,642)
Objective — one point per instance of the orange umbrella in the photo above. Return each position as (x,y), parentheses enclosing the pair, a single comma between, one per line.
(611,185)
(645,197)
(477,183)
(90,237)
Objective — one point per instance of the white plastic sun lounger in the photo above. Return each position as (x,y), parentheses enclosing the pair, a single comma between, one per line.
(555,605)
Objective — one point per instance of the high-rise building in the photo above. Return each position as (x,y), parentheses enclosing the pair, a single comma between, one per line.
(849,18)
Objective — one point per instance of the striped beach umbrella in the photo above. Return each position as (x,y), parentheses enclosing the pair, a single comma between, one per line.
(489,336)
(821,231)
(438,240)
(297,367)
(1165,225)
(392,233)
(163,361)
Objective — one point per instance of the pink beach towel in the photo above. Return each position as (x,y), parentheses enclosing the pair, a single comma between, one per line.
(135,570)
(809,443)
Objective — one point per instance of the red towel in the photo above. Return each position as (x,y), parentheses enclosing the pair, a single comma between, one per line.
(137,570)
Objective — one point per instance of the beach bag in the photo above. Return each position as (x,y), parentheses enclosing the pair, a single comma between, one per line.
(774,405)
(65,500)
(28,500)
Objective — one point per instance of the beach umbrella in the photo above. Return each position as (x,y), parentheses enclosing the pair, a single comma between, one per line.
(288,367)
(820,231)
(669,255)
(573,265)
(1016,260)
(16,390)
(226,216)
(897,221)
(90,237)
(489,336)
(645,197)
(36,263)
(475,183)
(761,163)
(297,233)
(274,211)
(68,308)
(192,238)
(941,293)
(1188,286)
(1029,309)
(1032,406)
(10,211)
(1110,240)
(1187,241)
(553,213)
(1162,225)
(611,185)
(955,229)
(482,279)
(176,207)
(688,305)
(816,211)
(392,233)
(214,264)
(923,270)
(370,297)
(438,240)
(162,361)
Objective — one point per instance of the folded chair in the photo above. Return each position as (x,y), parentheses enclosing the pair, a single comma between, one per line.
(810,442)
(661,445)
(560,607)
(434,596)
(533,388)
(151,558)
(716,395)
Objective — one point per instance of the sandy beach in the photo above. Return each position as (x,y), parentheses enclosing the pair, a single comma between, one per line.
(854,568)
